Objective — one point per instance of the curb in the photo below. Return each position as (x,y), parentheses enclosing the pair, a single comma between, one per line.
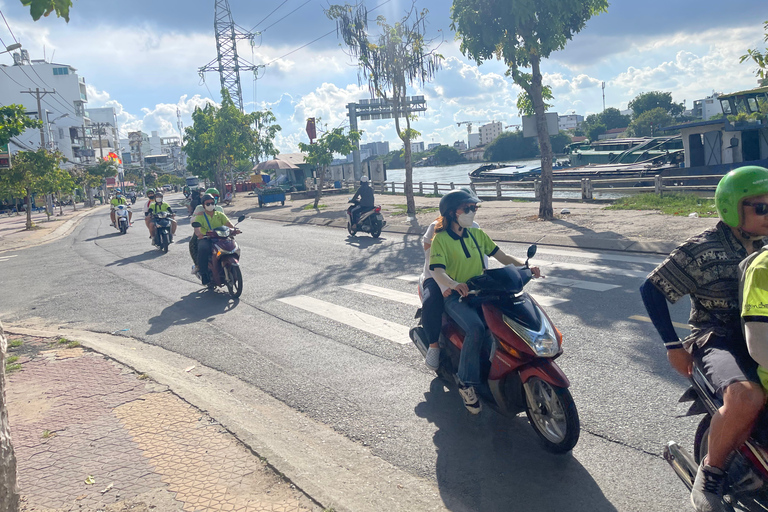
(60,232)
(627,245)
(331,469)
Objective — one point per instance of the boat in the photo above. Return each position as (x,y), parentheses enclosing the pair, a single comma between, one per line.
(485,173)
(624,151)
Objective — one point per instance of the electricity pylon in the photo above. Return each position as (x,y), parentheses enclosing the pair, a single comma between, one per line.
(227,62)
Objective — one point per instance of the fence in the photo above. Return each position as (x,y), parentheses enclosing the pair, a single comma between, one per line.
(587,187)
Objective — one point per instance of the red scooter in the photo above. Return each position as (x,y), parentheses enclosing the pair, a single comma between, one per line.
(518,364)
(224,265)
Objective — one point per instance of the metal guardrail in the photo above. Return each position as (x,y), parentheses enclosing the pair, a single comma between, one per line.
(588,187)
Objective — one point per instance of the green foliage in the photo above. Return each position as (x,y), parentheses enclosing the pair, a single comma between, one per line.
(170,179)
(447,155)
(38,8)
(648,101)
(14,122)
(760,58)
(320,154)
(649,123)
(559,141)
(525,104)
(597,124)
(30,174)
(595,130)
(670,204)
(511,146)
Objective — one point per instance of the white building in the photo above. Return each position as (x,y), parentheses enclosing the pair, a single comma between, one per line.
(459,145)
(154,147)
(433,145)
(104,131)
(706,108)
(473,140)
(375,148)
(489,132)
(417,147)
(65,124)
(569,121)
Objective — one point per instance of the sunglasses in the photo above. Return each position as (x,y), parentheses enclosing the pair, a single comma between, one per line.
(207,204)
(473,208)
(760,208)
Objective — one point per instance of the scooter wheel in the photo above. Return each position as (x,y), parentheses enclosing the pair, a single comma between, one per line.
(552,413)
(701,440)
(350,229)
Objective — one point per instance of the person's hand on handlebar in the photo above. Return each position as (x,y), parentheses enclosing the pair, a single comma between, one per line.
(536,271)
(462,289)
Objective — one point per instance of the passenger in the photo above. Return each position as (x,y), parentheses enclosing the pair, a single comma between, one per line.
(457,254)
(706,267)
(157,207)
(114,203)
(147,217)
(209,220)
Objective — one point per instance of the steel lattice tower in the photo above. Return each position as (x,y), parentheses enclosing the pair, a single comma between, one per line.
(227,62)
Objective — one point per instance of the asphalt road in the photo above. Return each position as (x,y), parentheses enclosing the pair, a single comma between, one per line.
(360,379)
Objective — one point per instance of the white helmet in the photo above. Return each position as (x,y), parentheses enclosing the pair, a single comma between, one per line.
(364,179)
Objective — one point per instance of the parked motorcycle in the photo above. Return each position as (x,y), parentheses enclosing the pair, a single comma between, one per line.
(163,233)
(121,217)
(518,367)
(747,471)
(224,265)
(371,221)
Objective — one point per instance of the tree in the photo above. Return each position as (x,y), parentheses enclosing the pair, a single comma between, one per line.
(595,130)
(649,123)
(320,154)
(26,175)
(612,118)
(170,179)
(447,155)
(13,122)
(525,105)
(646,101)
(559,142)
(38,8)
(391,62)
(759,58)
(510,146)
(521,33)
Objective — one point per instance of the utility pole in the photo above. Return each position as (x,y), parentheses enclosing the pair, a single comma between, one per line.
(603,85)
(40,95)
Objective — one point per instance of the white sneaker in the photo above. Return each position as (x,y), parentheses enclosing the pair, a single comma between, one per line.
(194,269)
(471,402)
(433,358)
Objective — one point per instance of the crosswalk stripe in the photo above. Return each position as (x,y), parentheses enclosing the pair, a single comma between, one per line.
(646,319)
(365,322)
(600,269)
(411,278)
(559,281)
(6,258)
(598,256)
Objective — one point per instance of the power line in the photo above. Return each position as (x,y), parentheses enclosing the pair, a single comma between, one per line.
(268,15)
(9,27)
(281,19)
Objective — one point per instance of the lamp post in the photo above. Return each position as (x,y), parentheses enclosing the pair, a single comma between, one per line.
(50,131)
(12,47)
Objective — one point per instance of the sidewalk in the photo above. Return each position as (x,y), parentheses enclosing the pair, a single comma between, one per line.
(14,236)
(586,226)
(93,435)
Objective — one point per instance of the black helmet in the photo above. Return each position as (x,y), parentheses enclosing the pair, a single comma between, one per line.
(454,199)
(207,197)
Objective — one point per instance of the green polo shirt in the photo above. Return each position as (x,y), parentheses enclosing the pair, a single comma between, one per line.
(754,303)
(208,222)
(162,207)
(461,256)
(118,201)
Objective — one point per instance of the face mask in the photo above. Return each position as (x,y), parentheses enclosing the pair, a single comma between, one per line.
(209,207)
(465,220)
(159,200)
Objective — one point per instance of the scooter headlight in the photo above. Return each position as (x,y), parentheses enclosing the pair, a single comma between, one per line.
(544,343)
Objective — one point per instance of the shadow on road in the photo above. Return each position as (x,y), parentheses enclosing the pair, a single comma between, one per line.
(149,255)
(104,237)
(490,462)
(363,241)
(194,307)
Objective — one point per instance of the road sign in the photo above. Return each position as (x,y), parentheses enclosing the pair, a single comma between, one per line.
(5,157)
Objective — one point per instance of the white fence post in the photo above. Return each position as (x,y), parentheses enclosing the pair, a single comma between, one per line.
(537,189)
(393,187)
(472,187)
(421,188)
(498,189)
(658,185)
(437,190)
(586,189)
(452,187)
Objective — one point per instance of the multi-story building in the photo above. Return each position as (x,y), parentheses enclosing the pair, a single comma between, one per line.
(433,145)
(163,152)
(66,126)
(705,108)
(417,147)
(569,121)
(375,148)
(104,131)
(473,140)
(489,132)
(459,145)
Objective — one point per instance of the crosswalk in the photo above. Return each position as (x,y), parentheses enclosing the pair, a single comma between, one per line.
(599,272)
(6,258)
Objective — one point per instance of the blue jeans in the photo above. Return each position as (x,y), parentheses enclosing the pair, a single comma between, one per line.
(470,322)
(431,309)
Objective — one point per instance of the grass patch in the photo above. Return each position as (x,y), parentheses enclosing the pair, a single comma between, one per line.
(15,343)
(47,434)
(73,344)
(62,341)
(142,376)
(11,359)
(669,204)
(10,368)
(402,209)
(312,207)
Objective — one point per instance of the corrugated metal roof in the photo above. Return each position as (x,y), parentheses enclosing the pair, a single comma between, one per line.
(758,90)
(694,124)
(292,158)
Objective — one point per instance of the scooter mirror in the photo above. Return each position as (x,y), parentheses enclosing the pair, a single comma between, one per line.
(531,251)
(242,218)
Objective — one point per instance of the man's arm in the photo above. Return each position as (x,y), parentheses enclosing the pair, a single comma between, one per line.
(656,305)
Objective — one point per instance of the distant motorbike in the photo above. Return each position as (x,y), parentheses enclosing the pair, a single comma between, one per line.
(133,199)
(518,367)
(371,221)
(747,471)
(121,217)
(163,234)
(224,265)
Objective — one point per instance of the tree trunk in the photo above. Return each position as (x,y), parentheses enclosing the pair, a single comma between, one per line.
(61,206)
(410,204)
(89,194)
(545,203)
(320,184)
(9,494)
(29,210)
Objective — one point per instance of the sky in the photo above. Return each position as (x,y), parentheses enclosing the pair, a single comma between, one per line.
(142,58)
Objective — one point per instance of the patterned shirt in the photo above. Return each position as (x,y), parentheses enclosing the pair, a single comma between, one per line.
(706,267)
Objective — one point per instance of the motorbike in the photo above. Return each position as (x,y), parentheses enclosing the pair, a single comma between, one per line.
(747,468)
(518,367)
(163,233)
(133,199)
(371,221)
(224,265)
(121,218)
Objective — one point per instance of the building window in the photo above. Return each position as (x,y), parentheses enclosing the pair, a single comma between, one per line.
(60,71)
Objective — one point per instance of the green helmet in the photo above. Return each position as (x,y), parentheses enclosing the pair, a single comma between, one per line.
(214,192)
(736,186)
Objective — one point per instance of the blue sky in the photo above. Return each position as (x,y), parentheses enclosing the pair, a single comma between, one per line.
(142,57)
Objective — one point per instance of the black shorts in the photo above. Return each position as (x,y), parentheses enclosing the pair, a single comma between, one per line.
(725,361)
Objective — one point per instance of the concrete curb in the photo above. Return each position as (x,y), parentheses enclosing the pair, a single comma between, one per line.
(628,245)
(60,232)
(333,470)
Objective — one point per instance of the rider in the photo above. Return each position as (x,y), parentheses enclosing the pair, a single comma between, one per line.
(116,201)
(456,256)
(365,193)
(198,211)
(195,200)
(157,207)
(147,217)
(215,193)
(209,220)
(706,267)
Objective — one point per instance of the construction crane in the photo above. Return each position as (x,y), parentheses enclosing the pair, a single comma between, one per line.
(516,126)
(469,126)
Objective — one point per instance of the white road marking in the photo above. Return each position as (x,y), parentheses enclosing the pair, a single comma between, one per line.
(598,256)
(368,323)
(646,319)
(6,258)
(411,278)
(412,299)
(597,269)
(558,281)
